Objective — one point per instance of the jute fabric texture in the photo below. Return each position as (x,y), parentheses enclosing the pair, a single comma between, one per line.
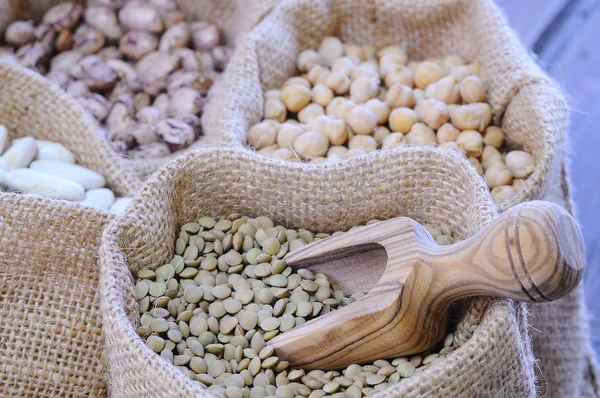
(493,356)
(51,333)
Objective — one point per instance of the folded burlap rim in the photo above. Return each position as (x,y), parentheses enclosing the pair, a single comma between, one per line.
(427,184)
(528,106)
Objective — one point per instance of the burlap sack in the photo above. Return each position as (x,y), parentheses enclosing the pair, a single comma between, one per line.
(32,106)
(474,29)
(50,336)
(560,329)
(234,17)
(493,358)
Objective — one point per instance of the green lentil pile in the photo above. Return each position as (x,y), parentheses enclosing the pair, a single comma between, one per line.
(227,291)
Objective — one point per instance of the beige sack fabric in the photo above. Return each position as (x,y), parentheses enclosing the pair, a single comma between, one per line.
(234,17)
(32,106)
(560,329)
(474,29)
(50,335)
(494,357)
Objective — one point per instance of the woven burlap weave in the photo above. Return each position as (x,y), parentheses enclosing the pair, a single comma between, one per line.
(494,357)
(50,335)
(234,18)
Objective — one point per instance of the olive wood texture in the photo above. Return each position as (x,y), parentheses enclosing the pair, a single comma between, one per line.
(533,252)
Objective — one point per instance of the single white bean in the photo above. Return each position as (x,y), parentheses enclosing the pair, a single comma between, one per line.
(48,150)
(101,198)
(37,182)
(20,153)
(3,138)
(120,204)
(86,177)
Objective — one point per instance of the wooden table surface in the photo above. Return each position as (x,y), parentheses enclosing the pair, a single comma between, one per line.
(565,36)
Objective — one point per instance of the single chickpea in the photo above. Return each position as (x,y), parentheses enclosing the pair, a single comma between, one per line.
(296,80)
(365,142)
(520,163)
(402,119)
(427,72)
(432,112)
(344,65)
(334,105)
(345,109)
(380,133)
(318,74)
(460,71)
(413,65)
(339,151)
(268,151)
(475,68)
(364,70)
(489,156)
(493,136)
(446,89)
(380,108)
(272,95)
(362,120)
(393,140)
(453,60)
(354,153)
(400,74)
(370,51)
(318,123)
(476,116)
(263,134)
(307,59)
(295,97)
(519,184)
(287,135)
(452,146)
(310,112)
(393,50)
(503,193)
(311,145)
(336,132)
(351,50)
(321,94)
(275,109)
(498,174)
(472,90)
(471,141)
(363,89)
(285,154)
(447,133)
(400,95)
(338,82)
(421,134)
(331,48)
(476,165)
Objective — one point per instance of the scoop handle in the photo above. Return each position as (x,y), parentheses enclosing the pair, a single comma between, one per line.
(533,252)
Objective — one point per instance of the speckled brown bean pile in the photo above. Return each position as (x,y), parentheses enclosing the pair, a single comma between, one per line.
(350,100)
(138,67)
(227,291)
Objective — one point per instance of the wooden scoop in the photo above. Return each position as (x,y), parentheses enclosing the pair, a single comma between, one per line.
(533,253)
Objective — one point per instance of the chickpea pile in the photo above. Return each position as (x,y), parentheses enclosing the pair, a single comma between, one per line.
(351,100)
(137,67)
